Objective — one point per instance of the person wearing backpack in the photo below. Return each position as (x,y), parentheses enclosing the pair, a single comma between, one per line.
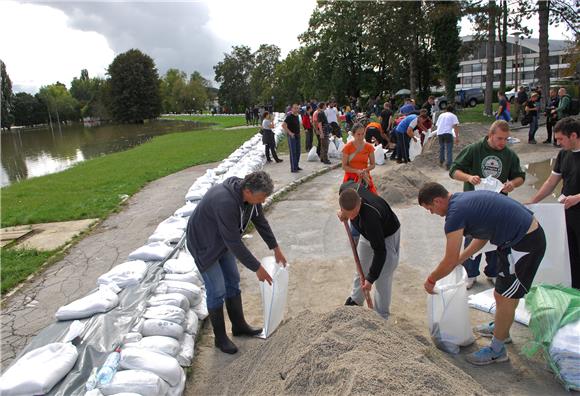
(563,108)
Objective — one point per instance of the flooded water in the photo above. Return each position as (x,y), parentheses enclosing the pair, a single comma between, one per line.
(542,170)
(36,152)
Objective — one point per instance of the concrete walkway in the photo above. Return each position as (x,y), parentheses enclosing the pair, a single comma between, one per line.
(31,308)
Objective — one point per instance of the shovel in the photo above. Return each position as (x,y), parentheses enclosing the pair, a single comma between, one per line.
(358,266)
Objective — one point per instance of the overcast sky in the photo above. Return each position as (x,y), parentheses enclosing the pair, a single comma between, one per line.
(45,42)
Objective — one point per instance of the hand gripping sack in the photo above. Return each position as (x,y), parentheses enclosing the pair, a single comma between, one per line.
(448,313)
(273,296)
(489,183)
(312,156)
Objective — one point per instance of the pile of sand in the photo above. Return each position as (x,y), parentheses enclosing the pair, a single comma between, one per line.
(350,350)
(401,184)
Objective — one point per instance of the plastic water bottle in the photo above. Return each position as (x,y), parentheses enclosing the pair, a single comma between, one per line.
(109,368)
(92,381)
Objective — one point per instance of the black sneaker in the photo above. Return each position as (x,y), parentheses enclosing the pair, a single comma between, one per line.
(299,168)
(350,302)
(532,142)
(547,141)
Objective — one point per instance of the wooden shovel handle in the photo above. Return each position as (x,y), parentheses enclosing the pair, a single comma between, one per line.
(358,266)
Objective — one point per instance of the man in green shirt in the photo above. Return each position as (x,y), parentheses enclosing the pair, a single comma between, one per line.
(488,157)
(563,105)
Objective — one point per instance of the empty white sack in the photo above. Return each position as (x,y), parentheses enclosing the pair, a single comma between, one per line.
(185,356)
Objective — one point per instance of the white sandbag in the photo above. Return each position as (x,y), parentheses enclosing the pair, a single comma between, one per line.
(191,323)
(415,148)
(189,277)
(165,312)
(155,251)
(332,151)
(186,210)
(485,301)
(185,356)
(448,314)
(142,382)
(189,290)
(172,222)
(165,366)
(127,274)
(166,236)
(195,194)
(159,327)
(167,345)
(175,299)
(312,155)
(201,309)
(489,183)
(138,326)
(379,155)
(340,145)
(178,390)
(183,264)
(103,300)
(49,363)
(273,296)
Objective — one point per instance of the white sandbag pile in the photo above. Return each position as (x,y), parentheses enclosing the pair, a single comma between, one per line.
(565,352)
(102,300)
(155,251)
(127,274)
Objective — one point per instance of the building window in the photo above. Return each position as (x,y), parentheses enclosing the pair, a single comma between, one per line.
(529,62)
(529,75)
(554,73)
(466,80)
(554,60)
(476,67)
(466,69)
(476,80)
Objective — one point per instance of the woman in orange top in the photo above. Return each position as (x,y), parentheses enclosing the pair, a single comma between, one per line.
(358,159)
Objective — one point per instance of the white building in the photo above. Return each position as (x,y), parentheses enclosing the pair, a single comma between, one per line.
(527,53)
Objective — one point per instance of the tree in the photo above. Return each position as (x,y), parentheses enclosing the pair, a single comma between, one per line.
(134,87)
(172,91)
(28,110)
(447,43)
(544,67)
(59,103)
(266,58)
(6,98)
(233,74)
(197,92)
(490,58)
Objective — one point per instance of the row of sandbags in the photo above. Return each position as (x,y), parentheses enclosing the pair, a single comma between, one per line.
(162,340)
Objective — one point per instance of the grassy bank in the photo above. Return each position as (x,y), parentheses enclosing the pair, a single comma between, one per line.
(93,188)
(219,121)
(475,114)
(17,265)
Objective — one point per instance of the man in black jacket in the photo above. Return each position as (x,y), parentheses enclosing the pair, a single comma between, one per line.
(214,238)
(378,246)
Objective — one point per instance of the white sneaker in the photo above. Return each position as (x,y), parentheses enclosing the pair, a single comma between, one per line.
(492,279)
(471,282)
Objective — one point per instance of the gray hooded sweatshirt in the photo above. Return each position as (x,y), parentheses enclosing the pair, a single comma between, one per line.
(218,222)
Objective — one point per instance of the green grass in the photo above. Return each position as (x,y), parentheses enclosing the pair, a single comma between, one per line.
(92,189)
(18,264)
(475,114)
(219,121)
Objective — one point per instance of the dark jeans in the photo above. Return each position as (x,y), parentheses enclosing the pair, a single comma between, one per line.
(222,280)
(445,145)
(472,265)
(308,139)
(402,148)
(550,122)
(294,146)
(573,231)
(533,129)
(318,145)
(271,148)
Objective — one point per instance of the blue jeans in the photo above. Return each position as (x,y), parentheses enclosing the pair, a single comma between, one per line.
(222,280)
(402,147)
(533,129)
(445,145)
(294,146)
(472,265)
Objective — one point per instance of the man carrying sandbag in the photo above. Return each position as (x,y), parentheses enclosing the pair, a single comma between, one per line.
(378,246)
(214,238)
(521,244)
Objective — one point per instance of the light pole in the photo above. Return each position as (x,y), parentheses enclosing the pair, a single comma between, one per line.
(517,35)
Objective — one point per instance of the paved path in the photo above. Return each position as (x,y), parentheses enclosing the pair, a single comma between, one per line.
(32,307)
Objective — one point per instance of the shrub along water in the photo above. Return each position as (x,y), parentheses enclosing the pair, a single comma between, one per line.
(223,121)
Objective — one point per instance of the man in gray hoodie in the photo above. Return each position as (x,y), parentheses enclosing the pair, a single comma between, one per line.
(214,238)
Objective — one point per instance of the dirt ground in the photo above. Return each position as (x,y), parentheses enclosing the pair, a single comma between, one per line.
(321,271)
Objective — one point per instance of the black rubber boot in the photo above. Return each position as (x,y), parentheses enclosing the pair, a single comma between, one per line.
(219,330)
(350,302)
(236,314)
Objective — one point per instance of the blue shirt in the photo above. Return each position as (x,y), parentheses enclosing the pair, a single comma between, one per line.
(408,108)
(403,125)
(488,215)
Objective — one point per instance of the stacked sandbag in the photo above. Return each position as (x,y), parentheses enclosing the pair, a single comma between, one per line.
(129,273)
(565,353)
(102,300)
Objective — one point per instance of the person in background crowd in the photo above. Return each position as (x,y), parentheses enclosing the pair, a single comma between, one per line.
(408,107)
(256,115)
(307,124)
(404,132)
(563,109)
(519,103)
(332,117)
(324,133)
(315,128)
(214,239)
(428,105)
(503,112)
(567,170)
(447,125)
(424,123)
(532,107)
(248,116)
(374,134)
(551,117)
(268,137)
(386,119)
(291,126)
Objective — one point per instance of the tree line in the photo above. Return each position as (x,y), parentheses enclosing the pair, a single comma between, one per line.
(375,48)
(132,92)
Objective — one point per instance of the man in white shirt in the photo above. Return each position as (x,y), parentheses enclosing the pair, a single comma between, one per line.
(332,116)
(447,132)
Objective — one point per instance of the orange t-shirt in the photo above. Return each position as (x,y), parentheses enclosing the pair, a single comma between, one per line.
(361,160)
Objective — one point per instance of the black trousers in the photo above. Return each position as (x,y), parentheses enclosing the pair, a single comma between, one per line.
(550,122)
(573,231)
(271,147)
(318,145)
(309,138)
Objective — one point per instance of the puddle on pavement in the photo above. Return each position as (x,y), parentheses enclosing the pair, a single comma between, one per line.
(542,170)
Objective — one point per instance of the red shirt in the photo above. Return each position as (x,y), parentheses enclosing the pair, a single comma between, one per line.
(306,121)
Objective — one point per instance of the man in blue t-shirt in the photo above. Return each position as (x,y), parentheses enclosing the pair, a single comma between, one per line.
(405,133)
(521,244)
